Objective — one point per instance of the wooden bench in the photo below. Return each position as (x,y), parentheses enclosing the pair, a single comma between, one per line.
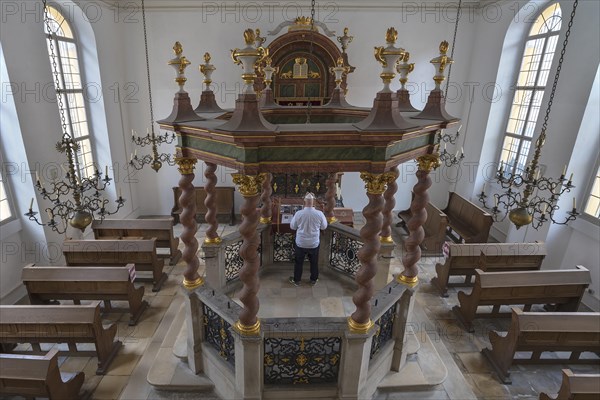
(540,332)
(85,283)
(59,324)
(117,253)
(435,228)
(161,229)
(463,259)
(467,223)
(38,376)
(225,205)
(564,288)
(576,387)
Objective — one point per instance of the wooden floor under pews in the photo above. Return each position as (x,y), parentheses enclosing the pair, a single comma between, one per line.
(470,374)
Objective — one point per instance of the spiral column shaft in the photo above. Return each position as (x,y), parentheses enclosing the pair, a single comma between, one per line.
(212,237)
(187,202)
(418,211)
(390,202)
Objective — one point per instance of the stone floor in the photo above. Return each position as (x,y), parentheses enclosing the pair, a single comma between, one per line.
(469,374)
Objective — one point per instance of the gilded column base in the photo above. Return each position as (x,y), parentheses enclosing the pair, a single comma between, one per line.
(332,220)
(408,280)
(386,239)
(215,240)
(265,220)
(362,329)
(193,284)
(252,330)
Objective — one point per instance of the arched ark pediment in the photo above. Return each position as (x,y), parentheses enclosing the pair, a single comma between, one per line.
(300,84)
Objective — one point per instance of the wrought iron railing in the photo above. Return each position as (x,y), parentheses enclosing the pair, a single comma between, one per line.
(283,247)
(385,327)
(344,252)
(233,261)
(218,333)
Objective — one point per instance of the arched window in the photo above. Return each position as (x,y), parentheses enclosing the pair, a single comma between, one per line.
(70,87)
(540,46)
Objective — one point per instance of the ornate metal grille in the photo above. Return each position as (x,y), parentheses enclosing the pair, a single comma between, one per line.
(233,261)
(217,332)
(344,253)
(297,361)
(283,247)
(384,332)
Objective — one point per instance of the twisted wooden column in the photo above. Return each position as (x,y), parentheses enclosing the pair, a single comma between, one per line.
(187,202)
(419,215)
(265,197)
(330,197)
(390,201)
(212,237)
(360,320)
(248,323)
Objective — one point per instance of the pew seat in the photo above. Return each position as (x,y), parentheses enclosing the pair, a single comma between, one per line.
(161,229)
(117,253)
(463,259)
(85,283)
(38,376)
(561,288)
(576,387)
(539,332)
(59,324)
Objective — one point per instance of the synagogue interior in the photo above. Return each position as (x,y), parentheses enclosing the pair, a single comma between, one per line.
(345,199)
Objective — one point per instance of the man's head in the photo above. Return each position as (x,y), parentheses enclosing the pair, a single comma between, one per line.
(309,200)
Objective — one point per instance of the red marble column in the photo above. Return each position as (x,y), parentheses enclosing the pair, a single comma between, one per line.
(360,320)
(330,197)
(248,323)
(187,202)
(419,215)
(390,201)
(212,237)
(265,197)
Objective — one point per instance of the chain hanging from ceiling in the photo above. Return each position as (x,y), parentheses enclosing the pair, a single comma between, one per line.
(529,207)
(156,160)
(75,199)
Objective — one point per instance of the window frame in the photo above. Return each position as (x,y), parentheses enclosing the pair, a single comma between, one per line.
(588,193)
(529,90)
(65,92)
(9,195)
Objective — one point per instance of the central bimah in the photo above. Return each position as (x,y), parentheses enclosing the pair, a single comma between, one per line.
(322,357)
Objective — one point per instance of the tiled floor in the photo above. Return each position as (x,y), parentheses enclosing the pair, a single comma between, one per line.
(469,374)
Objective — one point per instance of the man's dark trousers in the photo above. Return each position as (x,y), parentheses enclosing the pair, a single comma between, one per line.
(313,257)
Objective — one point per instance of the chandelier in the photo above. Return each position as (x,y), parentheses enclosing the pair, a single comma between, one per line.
(529,207)
(155,159)
(76,199)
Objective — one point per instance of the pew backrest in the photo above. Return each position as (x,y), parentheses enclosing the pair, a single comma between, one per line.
(471,222)
(110,252)
(161,229)
(224,203)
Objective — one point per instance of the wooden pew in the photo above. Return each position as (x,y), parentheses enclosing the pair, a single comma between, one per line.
(576,387)
(435,228)
(540,332)
(463,259)
(38,376)
(225,205)
(94,253)
(564,288)
(85,283)
(59,324)
(161,229)
(467,223)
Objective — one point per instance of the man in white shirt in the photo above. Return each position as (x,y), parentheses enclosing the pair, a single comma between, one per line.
(308,224)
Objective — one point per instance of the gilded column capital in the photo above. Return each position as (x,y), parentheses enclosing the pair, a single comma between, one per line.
(377,183)
(428,162)
(249,184)
(185,165)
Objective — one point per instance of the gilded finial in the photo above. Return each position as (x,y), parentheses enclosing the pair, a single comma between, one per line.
(178,48)
(346,31)
(249,36)
(259,39)
(340,62)
(207,57)
(391,35)
(444,47)
(268,61)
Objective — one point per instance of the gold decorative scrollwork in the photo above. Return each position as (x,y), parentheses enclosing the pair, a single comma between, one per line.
(185,165)
(377,183)
(428,162)
(249,184)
